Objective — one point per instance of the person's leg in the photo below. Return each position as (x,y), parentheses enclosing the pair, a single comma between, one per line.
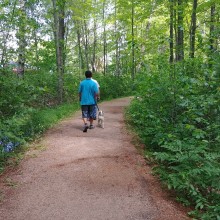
(91,123)
(84,120)
(85,114)
(95,111)
(92,115)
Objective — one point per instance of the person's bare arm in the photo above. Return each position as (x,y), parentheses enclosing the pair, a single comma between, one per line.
(96,96)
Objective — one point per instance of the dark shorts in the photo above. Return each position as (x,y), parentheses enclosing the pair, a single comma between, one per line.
(89,111)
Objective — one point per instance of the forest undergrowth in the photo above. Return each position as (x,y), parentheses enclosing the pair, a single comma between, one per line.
(176,113)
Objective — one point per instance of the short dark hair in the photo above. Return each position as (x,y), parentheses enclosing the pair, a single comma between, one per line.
(88,74)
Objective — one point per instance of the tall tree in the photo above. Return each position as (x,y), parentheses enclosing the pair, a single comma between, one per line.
(59,36)
(117,71)
(104,39)
(85,41)
(171,31)
(212,37)
(180,32)
(212,34)
(21,37)
(80,54)
(193,30)
(94,41)
(133,43)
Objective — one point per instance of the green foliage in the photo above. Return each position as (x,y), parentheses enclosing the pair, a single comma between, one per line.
(176,113)
(13,92)
(25,126)
(29,107)
(114,86)
(37,89)
(47,56)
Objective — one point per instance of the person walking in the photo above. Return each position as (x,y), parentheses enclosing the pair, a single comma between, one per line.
(88,94)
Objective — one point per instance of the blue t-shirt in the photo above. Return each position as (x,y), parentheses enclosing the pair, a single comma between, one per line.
(88,88)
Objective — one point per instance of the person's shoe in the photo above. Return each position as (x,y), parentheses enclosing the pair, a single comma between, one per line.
(85,128)
(91,126)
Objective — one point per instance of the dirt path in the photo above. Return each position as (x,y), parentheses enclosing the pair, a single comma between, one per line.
(96,175)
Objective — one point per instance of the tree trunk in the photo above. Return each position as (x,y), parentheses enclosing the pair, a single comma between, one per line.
(180,33)
(193,30)
(212,29)
(21,39)
(175,28)
(171,31)
(133,43)
(36,47)
(104,40)
(86,44)
(94,45)
(116,43)
(59,34)
(212,37)
(81,60)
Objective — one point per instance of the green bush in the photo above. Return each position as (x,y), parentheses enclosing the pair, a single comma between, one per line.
(114,86)
(176,113)
(26,126)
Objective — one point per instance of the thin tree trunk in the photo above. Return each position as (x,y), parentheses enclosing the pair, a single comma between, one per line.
(212,29)
(171,32)
(66,34)
(193,30)
(180,32)
(59,33)
(116,43)
(81,60)
(175,28)
(21,39)
(133,43)
(36,47)
(212,34)
(94,45)
(86,44)
(104,40)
